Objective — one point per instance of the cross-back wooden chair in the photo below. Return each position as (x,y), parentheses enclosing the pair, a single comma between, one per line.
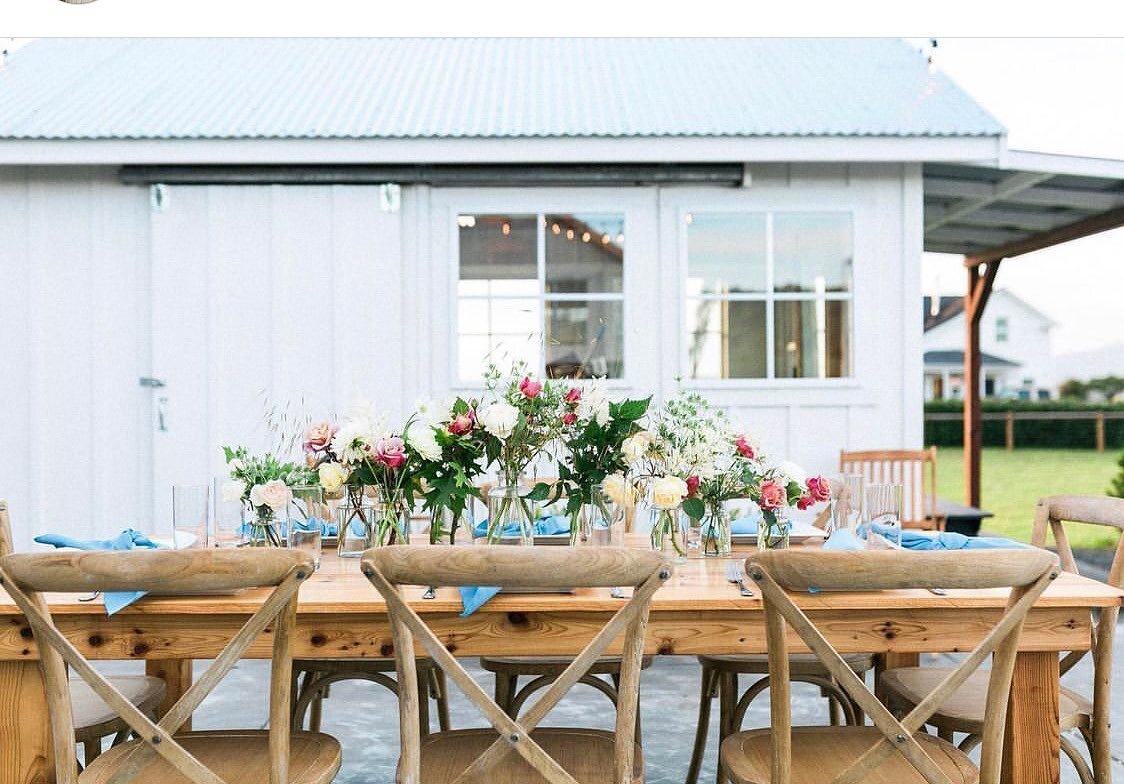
(892,751)
(161,756)
(964,710)
(93,719)
(914,469)
(515,751)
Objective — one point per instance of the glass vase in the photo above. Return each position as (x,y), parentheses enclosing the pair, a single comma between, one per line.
(391,524)
(307,520)
(354,520)
(510,517)
(668,532)
(261,527)
(773,531)
(620,498)
(596,520)
(444,524)
(716,532)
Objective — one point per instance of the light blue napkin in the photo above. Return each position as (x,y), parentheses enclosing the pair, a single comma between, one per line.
(544,526)
(474,597)
(126,540)
(746,525)
(950,540)
(843,539)
(326,528)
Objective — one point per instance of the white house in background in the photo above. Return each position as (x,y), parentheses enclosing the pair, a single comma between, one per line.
(186,225)
(1017,358)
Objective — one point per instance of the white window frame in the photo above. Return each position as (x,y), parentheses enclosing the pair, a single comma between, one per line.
(769,297)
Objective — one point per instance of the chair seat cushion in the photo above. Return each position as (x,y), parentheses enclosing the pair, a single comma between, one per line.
(552,665)
(819,754)
(93,717)
(240,756)
(963,711)
(586,754)
(798,664)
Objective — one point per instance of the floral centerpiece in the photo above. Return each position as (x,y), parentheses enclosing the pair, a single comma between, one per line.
(595,430)
(449,472)
(264,484)
(775,490)
(521,419)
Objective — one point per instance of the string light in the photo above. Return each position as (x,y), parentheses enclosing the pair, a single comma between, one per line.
(506,229)
(466,221)
(569,234)
(604,239)
(556,228)
(585,237)
(690,219)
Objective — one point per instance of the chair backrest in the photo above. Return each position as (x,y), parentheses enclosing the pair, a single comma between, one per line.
(390,567)
(914,469)
(1026,572)
(26,577)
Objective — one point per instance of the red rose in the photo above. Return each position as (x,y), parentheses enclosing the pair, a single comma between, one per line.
(569,418)
(692,486)
(529,388)
(462,423)
(818,488)
(804,502)
(574,395)
(772,495)
(745,449)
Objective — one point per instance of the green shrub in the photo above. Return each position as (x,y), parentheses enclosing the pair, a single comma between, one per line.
(1117,486)
(1057,434)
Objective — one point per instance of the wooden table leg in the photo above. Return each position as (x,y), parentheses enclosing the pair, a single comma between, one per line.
(25,733)
(890,661)
(1032,742)
(177,673)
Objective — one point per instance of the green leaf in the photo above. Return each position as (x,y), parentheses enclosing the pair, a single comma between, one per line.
(694,508)
(631,410)
(540,492)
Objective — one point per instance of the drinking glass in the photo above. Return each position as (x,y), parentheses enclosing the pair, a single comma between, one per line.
(847,502)
(191,506)
(226,522)
(308,516)
(884,516)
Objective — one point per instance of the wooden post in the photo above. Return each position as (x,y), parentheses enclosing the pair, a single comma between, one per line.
(1100,431)
(1010,430)
(975,300)
(1032,742)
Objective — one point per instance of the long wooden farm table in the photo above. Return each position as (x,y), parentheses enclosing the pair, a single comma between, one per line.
(697,612)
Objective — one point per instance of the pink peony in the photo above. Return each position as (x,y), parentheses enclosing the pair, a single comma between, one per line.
(818,489)
(318,437)
(529,388)
(462,423)
(574,395)
(804,501)
(692,486)
(391,452)
(745,449)
(569,418)
(772,495)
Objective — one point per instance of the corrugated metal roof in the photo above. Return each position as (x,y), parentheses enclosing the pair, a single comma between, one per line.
(464,88)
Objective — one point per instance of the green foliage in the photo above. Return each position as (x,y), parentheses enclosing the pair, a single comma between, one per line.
(1110,386)
(1116,488)
(594,451)
(258,469)
(1058,434)
(694,508)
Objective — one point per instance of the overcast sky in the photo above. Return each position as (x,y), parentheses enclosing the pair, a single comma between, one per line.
(1059,96)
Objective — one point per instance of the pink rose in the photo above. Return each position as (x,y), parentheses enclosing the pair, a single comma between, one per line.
(692,486)
(818,489)
(574,395)
(529,388)
(745,449)
(462,423)
(772,495)
(569,418)
(391,452)
(804,501)
(317,437)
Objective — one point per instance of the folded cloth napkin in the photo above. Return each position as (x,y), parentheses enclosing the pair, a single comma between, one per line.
(950,540)
(747,526)
(544,526)
(326,528)
(126,540)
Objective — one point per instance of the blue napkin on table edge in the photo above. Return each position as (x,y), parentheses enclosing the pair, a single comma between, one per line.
(126,540)
(473,597)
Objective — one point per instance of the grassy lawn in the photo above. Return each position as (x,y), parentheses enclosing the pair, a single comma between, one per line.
(1014,481)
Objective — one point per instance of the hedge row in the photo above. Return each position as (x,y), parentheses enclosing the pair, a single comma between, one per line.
(1058,434)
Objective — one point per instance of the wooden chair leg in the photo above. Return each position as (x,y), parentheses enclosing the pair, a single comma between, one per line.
(441,695)
(706,695)
(945,734)
(727,703)
(316,709)
(616,678)
(423,702)
(91,750)
(1084,773)
(505,691)
(834,712)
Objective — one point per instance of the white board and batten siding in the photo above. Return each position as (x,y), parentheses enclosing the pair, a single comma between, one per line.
(319,296)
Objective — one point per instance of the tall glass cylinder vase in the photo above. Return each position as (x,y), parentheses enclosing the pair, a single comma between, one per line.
(716,531)
(596,519)
(669,533)
(445,525)
(307,520)
(510,517)
(620,496)
(262,527)
(391,523)
(774,530)
(355,518)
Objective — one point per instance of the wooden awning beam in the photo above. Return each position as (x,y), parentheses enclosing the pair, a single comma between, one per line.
(1083,228)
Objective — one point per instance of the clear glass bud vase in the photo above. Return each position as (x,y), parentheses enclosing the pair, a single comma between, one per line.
(668,532)
(445,524)
(510,517)
(391,524)
(354,520)
(595,520)
(774,531)
(716,532)
(261,527)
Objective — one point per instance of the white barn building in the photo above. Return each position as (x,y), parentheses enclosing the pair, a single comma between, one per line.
(188,225)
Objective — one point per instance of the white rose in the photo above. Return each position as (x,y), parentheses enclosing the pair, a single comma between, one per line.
(792,472)
(500,419)
(594,403)
(235,465)
(619,490)
(636,446)
(233,490)
(668,491)
(332,476)
(421,437)
(275,494)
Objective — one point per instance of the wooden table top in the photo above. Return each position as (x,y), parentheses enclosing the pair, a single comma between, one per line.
(699,585)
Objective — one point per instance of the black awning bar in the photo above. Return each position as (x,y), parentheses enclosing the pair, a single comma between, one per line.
(446,175)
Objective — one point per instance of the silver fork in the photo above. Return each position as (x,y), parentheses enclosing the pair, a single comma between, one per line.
(430,592)
(735,575)
(89,598)
(938,591)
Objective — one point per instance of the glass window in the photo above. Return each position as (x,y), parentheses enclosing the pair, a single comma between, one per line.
(1001,330)
(547,289)
(768,295)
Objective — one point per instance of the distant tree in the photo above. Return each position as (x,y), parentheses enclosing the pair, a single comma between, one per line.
(1117,486)
(1109,386)
(1074,389)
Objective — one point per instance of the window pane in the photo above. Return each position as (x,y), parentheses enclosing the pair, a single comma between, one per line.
(726,339)
(812,251)
(584,254)
(498,247)
(813,339)
(726,252)
(585,339)
(497,330)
